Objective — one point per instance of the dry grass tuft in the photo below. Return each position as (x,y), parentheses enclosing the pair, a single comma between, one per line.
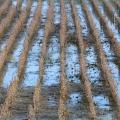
(5,112)
(62,109)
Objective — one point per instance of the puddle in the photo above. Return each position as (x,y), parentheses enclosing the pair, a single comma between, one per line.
(51,81)
(52,63)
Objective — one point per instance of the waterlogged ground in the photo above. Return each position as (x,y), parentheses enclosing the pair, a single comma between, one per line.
(76,103)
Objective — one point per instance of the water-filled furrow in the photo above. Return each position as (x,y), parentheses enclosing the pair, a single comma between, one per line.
(93,71)
(56,13)
(32,67)
(72,63)
(51,77)
(52,66)
(31,75)
(83,21)
(107,50)
(70,23)
(13,59)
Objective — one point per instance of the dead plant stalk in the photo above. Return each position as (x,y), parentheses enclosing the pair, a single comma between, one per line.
(107,75)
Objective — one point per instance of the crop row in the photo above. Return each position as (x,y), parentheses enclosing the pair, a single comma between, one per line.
(107,75)
(37,101)
(114,44)
(62,109)
(35,108)
(5,112)
(111,13)
(84,77)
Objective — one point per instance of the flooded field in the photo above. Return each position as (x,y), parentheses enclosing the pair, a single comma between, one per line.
(60,60)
